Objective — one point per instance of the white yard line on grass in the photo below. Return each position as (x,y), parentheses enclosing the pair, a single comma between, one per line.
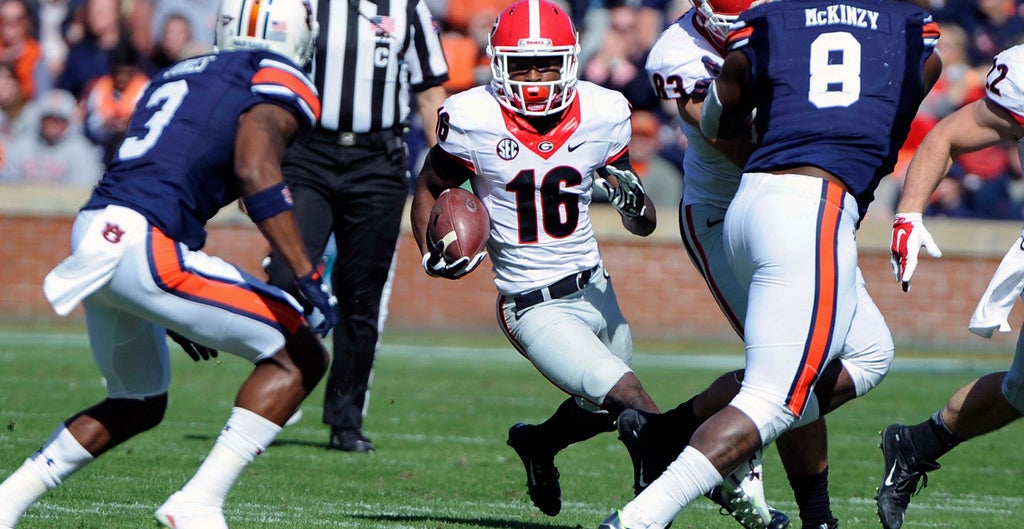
(978,362)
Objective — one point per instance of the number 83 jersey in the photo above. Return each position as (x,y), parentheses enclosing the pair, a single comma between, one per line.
(837,83)
(537,187)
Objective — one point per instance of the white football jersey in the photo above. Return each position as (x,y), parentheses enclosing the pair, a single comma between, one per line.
(1005,85)
(537,188)
(683,63)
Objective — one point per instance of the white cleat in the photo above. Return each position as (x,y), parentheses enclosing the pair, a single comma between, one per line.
(742,496)
(179,512)
(296,417)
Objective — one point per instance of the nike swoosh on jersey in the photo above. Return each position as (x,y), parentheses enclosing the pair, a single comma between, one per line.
(577,146)
(711,223)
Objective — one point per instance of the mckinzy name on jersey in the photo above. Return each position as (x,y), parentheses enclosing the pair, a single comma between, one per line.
(841,14)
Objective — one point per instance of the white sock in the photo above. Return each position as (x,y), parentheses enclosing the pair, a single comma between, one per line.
(245,436)
(59,458)
(686,479)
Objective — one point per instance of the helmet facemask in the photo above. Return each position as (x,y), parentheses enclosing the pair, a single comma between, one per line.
(535,97)
(716,22)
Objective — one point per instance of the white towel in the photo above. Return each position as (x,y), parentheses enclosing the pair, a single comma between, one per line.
(95,258)
(1003,290)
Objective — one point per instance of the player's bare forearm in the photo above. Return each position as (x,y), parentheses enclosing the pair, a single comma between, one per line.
(419,215)
(429,185)
(263,135)
(428,102)
(973,127)
(282,233)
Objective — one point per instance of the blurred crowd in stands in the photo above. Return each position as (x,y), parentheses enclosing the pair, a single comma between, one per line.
(72,70)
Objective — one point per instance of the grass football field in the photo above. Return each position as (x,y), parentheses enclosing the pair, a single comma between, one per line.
(439,413)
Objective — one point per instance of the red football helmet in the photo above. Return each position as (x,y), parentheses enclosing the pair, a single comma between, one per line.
(533,28)
(717,15)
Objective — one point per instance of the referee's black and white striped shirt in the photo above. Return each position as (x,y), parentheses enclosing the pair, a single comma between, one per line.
(369,53)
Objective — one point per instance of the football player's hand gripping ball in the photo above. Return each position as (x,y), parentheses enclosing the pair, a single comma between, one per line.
(196,351)
(628,196)
(312,288)
(436,265)
(908,236)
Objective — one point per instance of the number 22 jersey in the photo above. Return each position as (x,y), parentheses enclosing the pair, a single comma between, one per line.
(176,163)
(537,188)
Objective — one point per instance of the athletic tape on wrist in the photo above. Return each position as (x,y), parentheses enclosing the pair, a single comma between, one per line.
(264,204)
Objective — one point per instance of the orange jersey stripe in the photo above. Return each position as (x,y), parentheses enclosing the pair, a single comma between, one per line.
(819,339)
(739,34)
(930,30)
(254,17)
(289,81)
(171,276)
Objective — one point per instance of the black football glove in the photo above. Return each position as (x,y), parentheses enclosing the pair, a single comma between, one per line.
(196,351)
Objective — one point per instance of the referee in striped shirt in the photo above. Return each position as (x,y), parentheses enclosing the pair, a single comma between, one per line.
(349,177)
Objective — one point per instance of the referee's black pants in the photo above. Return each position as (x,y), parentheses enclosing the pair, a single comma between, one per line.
(358,193)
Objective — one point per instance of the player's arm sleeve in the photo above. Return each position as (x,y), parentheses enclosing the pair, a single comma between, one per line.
(280,83)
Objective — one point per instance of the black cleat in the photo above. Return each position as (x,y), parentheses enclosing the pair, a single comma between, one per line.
(541,474)
(349,441)
(903,471)
(648,461)
(834,524)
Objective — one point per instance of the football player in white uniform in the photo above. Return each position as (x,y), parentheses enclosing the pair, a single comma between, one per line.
(994,400)
(533,144)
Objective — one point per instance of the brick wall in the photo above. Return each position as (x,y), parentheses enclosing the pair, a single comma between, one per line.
(660,293)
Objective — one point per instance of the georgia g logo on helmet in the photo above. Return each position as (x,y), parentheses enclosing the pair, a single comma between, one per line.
(528,31)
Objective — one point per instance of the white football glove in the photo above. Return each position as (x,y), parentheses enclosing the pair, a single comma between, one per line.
(436,265)
(908,236)
(628,196)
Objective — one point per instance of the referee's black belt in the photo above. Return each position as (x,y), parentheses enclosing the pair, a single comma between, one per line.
(569,284)
(374,138)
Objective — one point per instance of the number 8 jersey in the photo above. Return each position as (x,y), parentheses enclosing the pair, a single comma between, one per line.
(176,163)
(827,89)
(536,187)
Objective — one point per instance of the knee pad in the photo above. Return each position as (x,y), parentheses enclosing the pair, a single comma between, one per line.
(867,371)
(771,417)
(125,418)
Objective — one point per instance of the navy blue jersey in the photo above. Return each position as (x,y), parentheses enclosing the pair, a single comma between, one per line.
(837,84)
(176,163)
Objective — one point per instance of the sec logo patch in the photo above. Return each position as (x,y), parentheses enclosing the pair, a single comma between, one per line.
(507,149)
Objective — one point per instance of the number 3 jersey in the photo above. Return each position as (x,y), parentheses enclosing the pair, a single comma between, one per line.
(837,84)
(537,188)
(176,163)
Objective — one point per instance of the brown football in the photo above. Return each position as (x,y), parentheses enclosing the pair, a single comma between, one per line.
(460,219)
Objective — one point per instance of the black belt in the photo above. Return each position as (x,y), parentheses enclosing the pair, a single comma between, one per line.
(570,284)
(375,138)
